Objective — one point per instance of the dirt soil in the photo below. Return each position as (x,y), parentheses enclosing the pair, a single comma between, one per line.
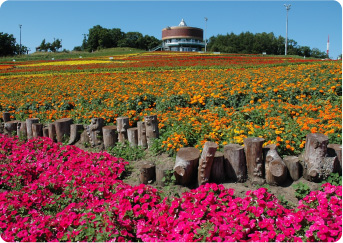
(286,191)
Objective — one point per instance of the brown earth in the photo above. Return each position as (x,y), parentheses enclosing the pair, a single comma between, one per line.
(286,191)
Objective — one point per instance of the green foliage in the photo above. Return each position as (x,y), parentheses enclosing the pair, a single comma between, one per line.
(301,190)
(7,44)
(156,143)
(284,202)
(334,179)
(141,102)
(100,38)
(169,178)
(249,43)
(170,102)
(53,47)
(125,151)
(204,231)
(65,139)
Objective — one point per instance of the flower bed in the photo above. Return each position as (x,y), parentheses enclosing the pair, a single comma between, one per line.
(197,97)
(50,192)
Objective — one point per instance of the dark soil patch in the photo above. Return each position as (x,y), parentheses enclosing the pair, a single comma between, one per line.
(286,192)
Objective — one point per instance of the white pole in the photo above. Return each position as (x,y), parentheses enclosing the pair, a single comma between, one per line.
(205,32)
(20,40)
(288,7)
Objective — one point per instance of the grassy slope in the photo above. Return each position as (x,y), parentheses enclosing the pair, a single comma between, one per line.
(71,54)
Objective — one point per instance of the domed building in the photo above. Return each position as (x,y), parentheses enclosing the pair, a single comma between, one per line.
(182,38)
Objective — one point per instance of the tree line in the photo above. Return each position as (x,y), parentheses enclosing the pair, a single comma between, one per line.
(101,38)
(47,46)
(249,43)
(9,47)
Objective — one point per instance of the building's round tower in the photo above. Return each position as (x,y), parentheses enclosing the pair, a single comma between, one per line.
(182,38)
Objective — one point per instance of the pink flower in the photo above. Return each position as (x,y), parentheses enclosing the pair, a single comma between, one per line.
(280,237)
(271,234)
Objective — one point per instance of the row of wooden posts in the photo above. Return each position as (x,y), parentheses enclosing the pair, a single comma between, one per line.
(236,163)
(257,163)
(63,130)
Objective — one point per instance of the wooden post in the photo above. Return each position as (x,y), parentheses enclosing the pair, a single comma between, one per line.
(22,130)
(122,126)
(206,161)
(29,122)
(234,162)
(275,168)
(37,130)
(293,166)
(6,116)
(52,131)
(45,132)
(62,127)
(142,134)
(329,165)
(94,131)
(164,173)
(218,170)
(110,136)
(186,165)
(336,150)
(84,138)
(254,158)
(315,152)
(11,128)
(132,135)
(147,172)
(151,126)
(75,133)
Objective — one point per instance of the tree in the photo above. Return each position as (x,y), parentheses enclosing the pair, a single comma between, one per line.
(94,37)
(304,51)
(248,43)
(132,39)
(23,50)
(7,44)
(57,44)
(99,38)
(150,42)
(116,35)
(44,46)
(47,46)
(292,47)
(315,52)
(84,43)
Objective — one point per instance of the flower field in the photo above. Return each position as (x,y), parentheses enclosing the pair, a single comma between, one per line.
(197,97)
(51,192)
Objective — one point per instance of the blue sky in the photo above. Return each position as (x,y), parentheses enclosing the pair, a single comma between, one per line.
(309,22)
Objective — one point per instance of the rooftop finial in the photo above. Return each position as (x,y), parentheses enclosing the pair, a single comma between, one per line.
(182,23)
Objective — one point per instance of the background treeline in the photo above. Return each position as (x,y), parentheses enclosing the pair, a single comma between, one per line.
(249,43)
(9,47)
(101,38)
(47,46)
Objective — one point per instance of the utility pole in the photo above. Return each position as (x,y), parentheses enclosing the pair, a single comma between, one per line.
(327,47)
(288,7)
(205,32)
(20,40)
